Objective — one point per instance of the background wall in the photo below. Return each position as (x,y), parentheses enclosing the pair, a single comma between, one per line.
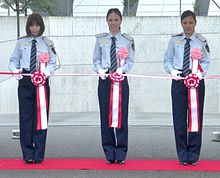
(74,38)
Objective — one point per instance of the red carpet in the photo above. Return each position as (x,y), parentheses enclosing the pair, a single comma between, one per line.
(99,164)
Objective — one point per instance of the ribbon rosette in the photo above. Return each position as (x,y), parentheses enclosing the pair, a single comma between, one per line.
(196,54)
(191,81)
(116,77)
(122,54)
(115,110)
(43,57)
(38,78)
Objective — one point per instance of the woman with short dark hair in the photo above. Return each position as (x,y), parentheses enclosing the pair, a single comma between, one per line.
(32,55)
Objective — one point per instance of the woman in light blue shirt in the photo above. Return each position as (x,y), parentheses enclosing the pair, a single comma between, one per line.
(114,130)
(25,59)
(177,62)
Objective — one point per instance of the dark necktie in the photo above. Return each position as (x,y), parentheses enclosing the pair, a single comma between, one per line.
(186,57)
(113,56)
(33,56)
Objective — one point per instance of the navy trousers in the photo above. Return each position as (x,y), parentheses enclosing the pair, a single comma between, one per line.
(114,140)
(188,144)
(32,141)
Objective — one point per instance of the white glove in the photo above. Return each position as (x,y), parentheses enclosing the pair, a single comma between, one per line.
(176,74)
(102,73)
(17,76)
(119,71)
(47,73)
(199,75)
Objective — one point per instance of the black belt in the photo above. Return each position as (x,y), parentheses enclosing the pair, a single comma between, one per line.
(181,75)
(24,71)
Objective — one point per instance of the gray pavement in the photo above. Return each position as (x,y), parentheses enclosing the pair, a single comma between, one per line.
(92,119)
(77,135)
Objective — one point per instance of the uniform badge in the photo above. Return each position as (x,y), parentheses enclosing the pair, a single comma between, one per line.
(178,42)
(103,42)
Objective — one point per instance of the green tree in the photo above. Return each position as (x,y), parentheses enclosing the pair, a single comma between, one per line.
(53,7)
(201,7)
(45,8)
(130,7)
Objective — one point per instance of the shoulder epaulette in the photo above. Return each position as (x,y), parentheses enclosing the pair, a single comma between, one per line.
(180,34)
(48,41)
(202,38)
(101,35)
(21,37)
(127,36)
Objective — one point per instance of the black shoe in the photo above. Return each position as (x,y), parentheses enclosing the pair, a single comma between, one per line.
(37,162)
(194,163)
(29,161)
(110,161)
(121,162)
(183,163)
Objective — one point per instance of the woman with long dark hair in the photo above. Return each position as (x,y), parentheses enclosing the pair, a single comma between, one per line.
(187,103)
(113,53)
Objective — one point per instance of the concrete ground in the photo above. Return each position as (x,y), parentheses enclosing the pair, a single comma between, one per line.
(77,135)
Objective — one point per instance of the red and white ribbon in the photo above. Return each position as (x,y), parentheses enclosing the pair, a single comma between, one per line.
(193,110)
(115,113)
(41,94)
(115,110)
(192,82)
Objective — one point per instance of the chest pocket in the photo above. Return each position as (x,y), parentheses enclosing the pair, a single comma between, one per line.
(179,51)
(179,45)
(25,51)
(105,48)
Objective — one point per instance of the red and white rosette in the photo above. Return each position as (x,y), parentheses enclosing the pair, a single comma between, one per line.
(192,82)
(115,114)
(38,78)
(41,92)
(116,77)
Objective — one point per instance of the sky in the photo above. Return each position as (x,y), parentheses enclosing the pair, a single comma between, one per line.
(145,7)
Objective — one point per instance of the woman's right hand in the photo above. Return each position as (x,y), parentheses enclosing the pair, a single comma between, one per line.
(102,73)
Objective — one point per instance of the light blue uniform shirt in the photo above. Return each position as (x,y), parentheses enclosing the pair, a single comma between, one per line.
(173,58)
(101,54)
(20,58)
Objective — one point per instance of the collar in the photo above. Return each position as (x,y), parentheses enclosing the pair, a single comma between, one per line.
(117,36)
(37,38)
(193,37)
